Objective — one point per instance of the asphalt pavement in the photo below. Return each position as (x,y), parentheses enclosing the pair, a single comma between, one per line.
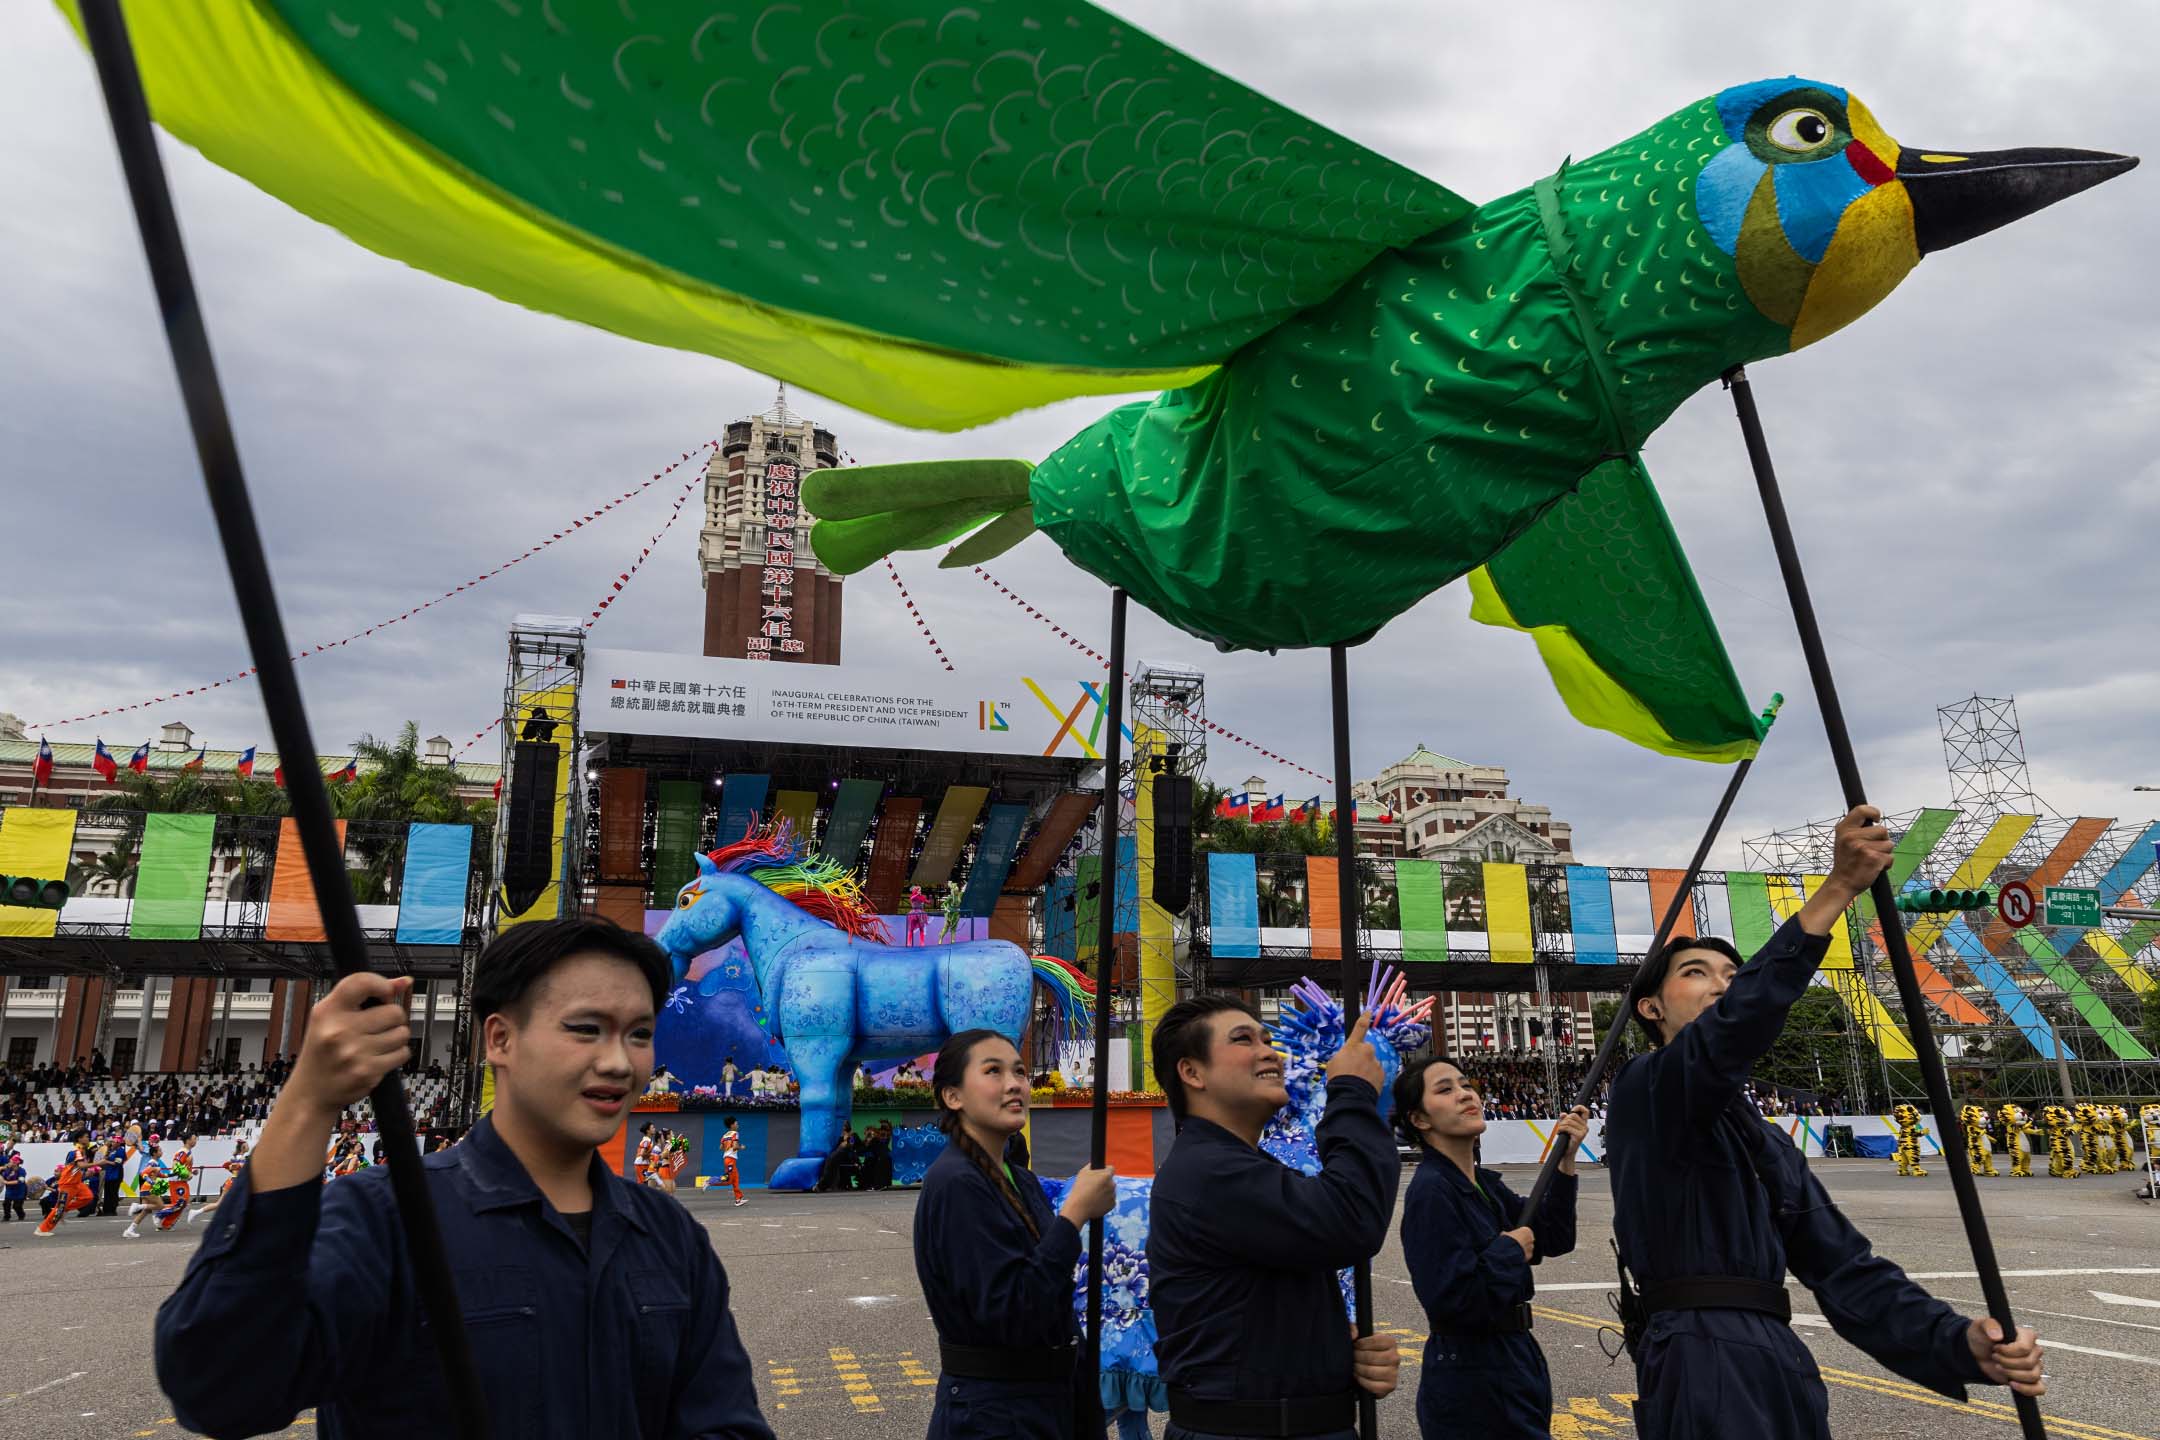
(825,1294)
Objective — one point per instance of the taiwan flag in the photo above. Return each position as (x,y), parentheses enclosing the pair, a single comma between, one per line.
(1236,807)
(349,771)
(246,768)
(41,768)
(103,762)
(277,775)
(195,761)
(139,762)
(1269,811)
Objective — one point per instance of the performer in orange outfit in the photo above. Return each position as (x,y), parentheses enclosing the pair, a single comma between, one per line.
(74,1194)
(730,1143)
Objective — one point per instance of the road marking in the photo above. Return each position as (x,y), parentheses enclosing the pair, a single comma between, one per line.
(855,1381)
(39,1389)
(1819,1323)
(2109,1298)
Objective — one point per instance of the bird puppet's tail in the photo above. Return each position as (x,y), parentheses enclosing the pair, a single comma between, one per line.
(866,512)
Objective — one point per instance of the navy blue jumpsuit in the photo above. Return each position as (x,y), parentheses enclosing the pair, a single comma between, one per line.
(1684,1149)
(1243,1253)
(991,1285)
(1468,1276)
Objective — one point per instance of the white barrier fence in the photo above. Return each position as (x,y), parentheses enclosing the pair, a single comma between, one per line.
(1522,1142)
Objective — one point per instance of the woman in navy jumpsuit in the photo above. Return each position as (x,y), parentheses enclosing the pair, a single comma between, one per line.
(996,1265)
(1470,1262)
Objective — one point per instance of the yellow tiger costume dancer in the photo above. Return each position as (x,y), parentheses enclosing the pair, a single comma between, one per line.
(2062,1154)
(1979,1147)
(2015,1128)
(1908,1140)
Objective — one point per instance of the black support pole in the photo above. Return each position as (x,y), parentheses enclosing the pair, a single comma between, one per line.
(1893,930)
(1349,900)
(1609,1048)
(1105,956)
(219,457)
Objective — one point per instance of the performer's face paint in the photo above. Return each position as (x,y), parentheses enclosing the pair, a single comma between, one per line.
(993,1093)
(1451,1104)
(582,1049)
(1242,1073)
(1692,985)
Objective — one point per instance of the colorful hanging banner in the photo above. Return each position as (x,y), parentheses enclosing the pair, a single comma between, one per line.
(431,896)
(172,879)
(1234,906)
(1664,884)
(854,806)
(1052,838)
(742,805)
(293,913)
(1508,936)
(1590,915)
(35,843)
(679,827)
(941,847)
(1421,901)
(890,852)
(1323,906)
(622,825)
(799,809)
(993,859)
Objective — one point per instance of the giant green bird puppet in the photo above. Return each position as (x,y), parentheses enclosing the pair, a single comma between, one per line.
(945,213)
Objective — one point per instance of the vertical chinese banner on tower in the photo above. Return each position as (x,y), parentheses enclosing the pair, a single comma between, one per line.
(776,586)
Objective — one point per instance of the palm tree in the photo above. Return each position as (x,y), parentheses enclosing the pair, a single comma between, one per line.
(397,788)
(168,792)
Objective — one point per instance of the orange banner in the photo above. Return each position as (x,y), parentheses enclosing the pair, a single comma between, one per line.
(293,913)
(891,851)
(1067,814)
(1323,899)
(622,826)
(1664,884)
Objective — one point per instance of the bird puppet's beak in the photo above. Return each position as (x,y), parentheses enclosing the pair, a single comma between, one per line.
(1957,196)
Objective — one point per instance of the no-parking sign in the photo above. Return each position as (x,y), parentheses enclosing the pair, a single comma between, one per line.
(2015,904)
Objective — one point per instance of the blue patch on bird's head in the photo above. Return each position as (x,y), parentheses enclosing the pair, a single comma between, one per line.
(1803,163)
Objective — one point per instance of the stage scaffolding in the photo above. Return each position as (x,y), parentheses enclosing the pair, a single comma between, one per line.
(1992,795)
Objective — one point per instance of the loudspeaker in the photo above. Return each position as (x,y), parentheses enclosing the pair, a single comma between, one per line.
(1173,842)
(529,841)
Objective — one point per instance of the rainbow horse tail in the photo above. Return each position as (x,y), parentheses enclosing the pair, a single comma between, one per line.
(1071,997)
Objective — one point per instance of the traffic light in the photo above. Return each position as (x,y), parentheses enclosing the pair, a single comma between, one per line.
(1939,901)
(31,891)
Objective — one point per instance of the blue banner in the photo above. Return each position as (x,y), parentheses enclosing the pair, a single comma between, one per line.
(1233,885)
(742,799)
(431,896)
(1590,911)
(994,854)
(1059,937)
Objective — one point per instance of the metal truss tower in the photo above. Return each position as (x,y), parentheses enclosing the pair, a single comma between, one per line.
(1985,752)
(546,666)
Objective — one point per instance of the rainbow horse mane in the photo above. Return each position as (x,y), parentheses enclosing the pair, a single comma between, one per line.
(783,863)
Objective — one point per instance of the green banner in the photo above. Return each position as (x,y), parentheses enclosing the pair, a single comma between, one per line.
(172,880)
(1912,847)
(680,807)
(1748,893)
(849,824)
(1421,895)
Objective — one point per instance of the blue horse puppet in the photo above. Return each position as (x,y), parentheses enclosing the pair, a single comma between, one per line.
(826,982)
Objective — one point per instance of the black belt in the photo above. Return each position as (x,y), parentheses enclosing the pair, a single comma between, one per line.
(1718,1292)
(1274,1419)
(976,1362)
(1515,1320)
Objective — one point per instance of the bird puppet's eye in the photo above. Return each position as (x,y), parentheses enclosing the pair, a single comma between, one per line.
(1799,130)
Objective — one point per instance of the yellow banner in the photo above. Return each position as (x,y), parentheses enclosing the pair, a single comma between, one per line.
(34,843)
(1507,914)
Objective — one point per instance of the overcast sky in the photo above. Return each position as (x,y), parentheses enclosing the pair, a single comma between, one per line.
(1971,468)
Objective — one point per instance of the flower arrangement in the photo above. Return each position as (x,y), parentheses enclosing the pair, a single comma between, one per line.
(1979,1152)
(2062,1154)
(1908,1140)
(2015,1128)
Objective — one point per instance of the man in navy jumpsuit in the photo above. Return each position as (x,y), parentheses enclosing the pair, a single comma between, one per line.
(1702,1187)
(1243,1251)
(594,1307)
